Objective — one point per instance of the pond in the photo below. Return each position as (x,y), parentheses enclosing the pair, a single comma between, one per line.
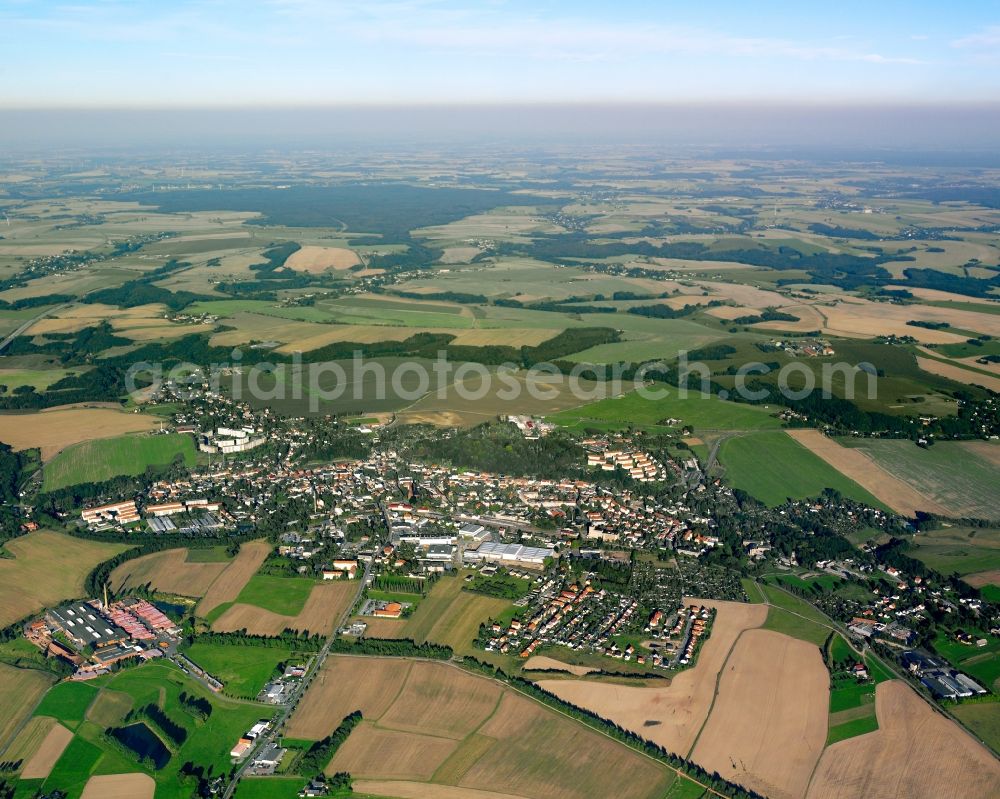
(144,742)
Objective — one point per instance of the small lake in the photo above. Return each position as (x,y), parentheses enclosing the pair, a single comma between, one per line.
(144,742)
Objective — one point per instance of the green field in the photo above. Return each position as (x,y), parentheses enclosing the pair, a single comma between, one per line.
(773,467)
(284,595)
(102,459)
(983,718)
(242,669)
(958,550)
(794,617)
(67,702)
(700,412)
(161,683)
(852,728)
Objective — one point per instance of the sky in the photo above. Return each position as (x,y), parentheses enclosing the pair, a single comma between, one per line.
(233,53)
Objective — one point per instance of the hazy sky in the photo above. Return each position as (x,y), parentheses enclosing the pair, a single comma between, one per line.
(237,52)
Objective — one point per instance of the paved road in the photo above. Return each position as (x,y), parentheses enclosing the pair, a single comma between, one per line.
(29,323)
(314,667)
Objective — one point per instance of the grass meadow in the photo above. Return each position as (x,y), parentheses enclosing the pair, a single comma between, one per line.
(102,459)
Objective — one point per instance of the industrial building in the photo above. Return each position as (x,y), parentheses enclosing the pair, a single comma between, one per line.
(495,552)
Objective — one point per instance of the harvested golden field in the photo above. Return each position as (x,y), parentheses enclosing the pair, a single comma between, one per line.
(862,469)
(55,429)
(20,691)
(227,586)
(28,740)
(671,715)
(314,259)
(344,685)
(390,754)
(943,296)
(768,726)
(459,255)
(120,786)
(510,336)
(959,374)
(401,789)
(448,708)
(540,754)
(853,317)
(323,608)
(169,572)
(46,568)
(361,334)
(916,752)
(50,750)
(810,318)
(543,663)
(438,727)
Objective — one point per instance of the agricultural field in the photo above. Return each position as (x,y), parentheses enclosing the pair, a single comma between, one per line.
(857,465)
(230,582)
(173,571)
(90,760)
(793,617)
(451,732)
(670,715)
(768,724)
(696,411)
(45,569)
(319,613)
(243,670)
(971,552)
(54,429)
(773,466)
(96,461)
(941,760)
(959,477)
(20,690)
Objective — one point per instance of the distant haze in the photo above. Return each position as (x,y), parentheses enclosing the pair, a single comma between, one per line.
(813,128)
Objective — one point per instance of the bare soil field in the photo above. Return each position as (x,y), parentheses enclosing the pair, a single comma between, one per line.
(391,754)
(45,569)
(372,685)
(543,663)
(768,726)
(20,691)
(916,752)
(321,611)
(51,749)
(55,429)
(227,586)
(314,259)
(449,708)
(169,572)
(860,468)
(979,579)
(670,716)
(958,374)
(120,786)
